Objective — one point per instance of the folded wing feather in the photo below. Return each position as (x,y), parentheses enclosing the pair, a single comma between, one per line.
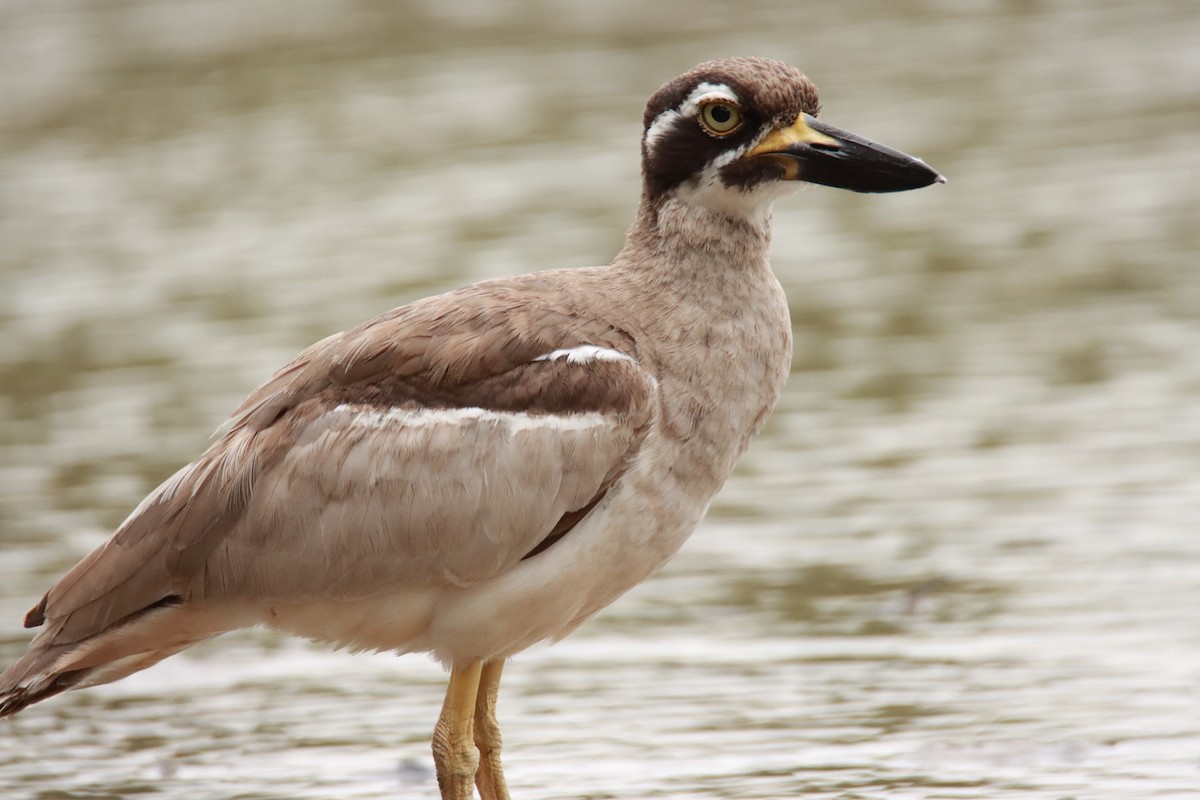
(429,446)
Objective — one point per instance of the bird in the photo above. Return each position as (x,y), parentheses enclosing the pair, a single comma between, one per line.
(482,470)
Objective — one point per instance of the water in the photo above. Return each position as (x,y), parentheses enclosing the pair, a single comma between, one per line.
(960,562)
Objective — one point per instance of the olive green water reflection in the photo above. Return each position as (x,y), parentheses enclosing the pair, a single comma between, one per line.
(962,560)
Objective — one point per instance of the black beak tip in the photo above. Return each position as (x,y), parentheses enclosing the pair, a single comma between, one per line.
(873,172)
(935,176)
(916,174)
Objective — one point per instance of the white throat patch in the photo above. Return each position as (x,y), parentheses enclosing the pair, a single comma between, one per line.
(746,205)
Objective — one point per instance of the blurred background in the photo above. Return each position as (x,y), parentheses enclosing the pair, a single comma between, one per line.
(962,560)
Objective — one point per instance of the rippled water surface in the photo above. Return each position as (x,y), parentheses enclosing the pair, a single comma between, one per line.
(961,562)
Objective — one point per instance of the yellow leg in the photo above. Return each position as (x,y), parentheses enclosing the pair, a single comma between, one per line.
(490,777)
(454,753)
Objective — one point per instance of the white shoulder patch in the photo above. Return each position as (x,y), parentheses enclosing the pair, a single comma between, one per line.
(515,421)
(585,353)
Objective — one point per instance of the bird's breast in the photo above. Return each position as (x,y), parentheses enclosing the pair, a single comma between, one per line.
(726,372)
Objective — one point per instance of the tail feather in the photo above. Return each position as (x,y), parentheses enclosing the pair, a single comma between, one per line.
(33,679)
(50,668)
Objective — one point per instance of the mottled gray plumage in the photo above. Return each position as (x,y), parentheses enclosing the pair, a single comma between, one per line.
(481,470)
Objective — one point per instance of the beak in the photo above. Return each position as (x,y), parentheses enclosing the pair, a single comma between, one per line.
(812,151)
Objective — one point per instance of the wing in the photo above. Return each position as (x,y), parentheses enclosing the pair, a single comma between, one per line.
(440,443)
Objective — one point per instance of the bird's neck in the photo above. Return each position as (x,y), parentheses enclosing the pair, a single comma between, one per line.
(716,325)
(677,241)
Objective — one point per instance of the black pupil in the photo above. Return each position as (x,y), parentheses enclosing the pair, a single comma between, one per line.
(721,114)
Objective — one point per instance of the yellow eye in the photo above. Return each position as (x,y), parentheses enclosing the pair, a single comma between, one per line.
(720,118)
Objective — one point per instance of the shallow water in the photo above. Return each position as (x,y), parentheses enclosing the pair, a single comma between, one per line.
(961,562)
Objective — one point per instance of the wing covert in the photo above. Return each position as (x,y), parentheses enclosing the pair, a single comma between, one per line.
(373,497)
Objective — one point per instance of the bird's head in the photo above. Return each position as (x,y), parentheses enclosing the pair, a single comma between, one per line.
(733,135)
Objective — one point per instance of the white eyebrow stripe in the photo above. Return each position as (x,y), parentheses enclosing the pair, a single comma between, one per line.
(703,93)
(585,353)
(707,92)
